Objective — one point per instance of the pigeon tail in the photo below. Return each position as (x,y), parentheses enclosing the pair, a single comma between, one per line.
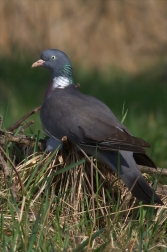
(124,165)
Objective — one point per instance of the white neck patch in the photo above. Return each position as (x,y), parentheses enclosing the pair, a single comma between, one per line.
(60,82)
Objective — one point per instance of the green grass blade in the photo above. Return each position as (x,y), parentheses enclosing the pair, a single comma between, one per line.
(69,167)
(86,242)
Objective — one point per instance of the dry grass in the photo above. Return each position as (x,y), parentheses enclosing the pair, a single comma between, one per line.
(75,200)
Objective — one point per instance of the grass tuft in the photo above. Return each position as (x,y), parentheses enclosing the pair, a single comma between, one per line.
(75,204)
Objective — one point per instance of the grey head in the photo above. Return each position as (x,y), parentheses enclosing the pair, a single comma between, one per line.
(57,62)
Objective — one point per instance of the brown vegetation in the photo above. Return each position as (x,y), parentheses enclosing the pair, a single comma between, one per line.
(127,34)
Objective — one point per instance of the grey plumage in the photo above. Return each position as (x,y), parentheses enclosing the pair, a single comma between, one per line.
(90,124)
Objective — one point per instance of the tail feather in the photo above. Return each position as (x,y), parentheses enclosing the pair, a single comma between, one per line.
(124,165)
(134,180)
(143,159)
(144,192)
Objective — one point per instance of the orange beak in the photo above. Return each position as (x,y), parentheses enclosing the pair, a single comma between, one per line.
(38,63)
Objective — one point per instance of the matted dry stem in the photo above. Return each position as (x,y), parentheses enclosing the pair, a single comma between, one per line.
(79,191)
(82,188)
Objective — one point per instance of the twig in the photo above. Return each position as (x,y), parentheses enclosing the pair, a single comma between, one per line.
(19,122)
(14,168)
(20,139)
(149,170)
(26,126)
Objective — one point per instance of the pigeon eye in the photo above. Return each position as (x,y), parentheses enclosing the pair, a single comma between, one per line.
(53,57)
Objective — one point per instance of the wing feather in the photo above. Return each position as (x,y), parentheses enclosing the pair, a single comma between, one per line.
(87,121)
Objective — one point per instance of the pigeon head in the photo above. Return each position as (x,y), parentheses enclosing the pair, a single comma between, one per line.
(59,65)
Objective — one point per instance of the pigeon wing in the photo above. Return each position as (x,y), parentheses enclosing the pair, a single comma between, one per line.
(87,121)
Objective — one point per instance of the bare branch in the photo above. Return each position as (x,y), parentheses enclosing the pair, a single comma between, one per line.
(19,122)
(150,170)
(20,139)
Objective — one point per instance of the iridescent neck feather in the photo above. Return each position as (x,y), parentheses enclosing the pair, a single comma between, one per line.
(61,79)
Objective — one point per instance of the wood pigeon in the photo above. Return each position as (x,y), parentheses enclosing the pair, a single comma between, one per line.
(90,125)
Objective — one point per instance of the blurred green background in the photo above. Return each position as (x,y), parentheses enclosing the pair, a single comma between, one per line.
(118,51)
